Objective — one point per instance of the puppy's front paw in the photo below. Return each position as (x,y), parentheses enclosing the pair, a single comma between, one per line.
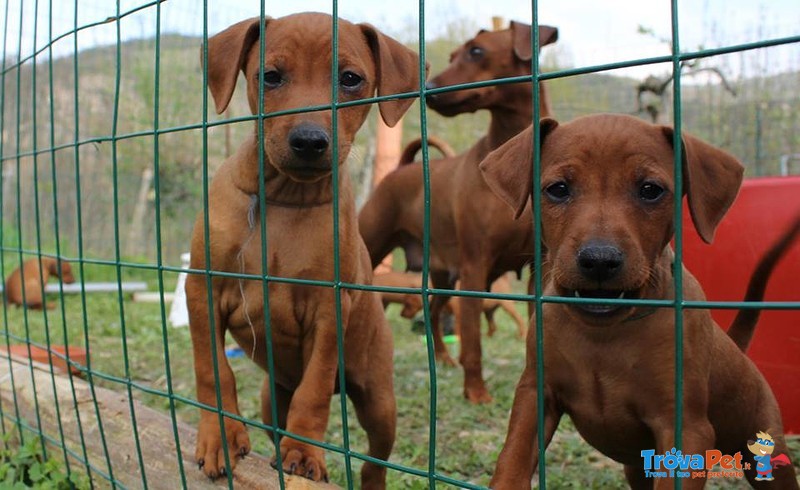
(477,394)
(303,460)
(209,454)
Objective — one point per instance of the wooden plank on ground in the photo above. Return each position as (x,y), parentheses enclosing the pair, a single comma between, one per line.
(155,431)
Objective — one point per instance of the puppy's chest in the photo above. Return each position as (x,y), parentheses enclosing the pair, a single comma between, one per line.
(294,250)
(296,247)
(608,393)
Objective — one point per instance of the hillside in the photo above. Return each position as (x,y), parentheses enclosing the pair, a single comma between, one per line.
(758,125)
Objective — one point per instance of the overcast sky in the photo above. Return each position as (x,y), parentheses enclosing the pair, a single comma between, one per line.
(591,32)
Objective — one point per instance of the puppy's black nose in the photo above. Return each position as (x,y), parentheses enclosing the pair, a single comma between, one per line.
(431,85)
(308,141)
(600,261)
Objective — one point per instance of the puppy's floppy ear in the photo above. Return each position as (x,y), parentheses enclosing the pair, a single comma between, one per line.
(547,35)
(508,170)
(51,264)
(397,70)
(712,178)
(227,54)
(521,38)
(66,272)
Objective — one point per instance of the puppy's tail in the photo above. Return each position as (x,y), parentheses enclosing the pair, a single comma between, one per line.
(410,151)
(744,324)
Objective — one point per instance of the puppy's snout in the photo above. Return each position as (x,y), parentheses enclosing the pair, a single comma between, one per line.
(600,261)
(308,141)
(431,85)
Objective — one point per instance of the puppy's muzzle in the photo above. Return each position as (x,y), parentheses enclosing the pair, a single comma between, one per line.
(599,264)
(431,85)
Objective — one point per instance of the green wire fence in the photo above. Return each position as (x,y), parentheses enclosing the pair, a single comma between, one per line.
(43,140)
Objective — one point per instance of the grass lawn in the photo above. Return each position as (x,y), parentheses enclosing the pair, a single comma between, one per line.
(468,437)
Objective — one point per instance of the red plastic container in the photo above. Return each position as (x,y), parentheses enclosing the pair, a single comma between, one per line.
(762,211)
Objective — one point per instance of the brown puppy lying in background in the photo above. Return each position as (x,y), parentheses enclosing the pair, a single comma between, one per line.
(35,277)
(412,303)
(607,221)
(299,208)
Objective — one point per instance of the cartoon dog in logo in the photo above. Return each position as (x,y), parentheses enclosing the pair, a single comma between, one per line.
(762,452)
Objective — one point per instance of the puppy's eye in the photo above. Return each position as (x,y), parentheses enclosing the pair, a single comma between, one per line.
(558,192)
(273,79)
(350,80)
(476,52)
(650,192)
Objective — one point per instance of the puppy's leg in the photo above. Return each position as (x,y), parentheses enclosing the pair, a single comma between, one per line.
(785,476)
(377,413)
(522,329)
(37,305)
(489,314)
(636,479)
(698,436)
(283,398)
(209,453)
(520,455)
(473,279)
(310,407)
(440,280)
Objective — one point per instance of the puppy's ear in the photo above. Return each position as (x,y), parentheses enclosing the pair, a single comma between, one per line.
(547,35)
(51,265)
(66,273)
(508,170)
(397,70)
(712,178)
(521,38)
(227,54)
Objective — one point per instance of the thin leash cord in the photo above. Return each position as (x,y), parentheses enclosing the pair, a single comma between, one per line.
(251,224)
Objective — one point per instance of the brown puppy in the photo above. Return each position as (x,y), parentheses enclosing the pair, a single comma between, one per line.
(607,220)
(35,277)
(298,163)
(412,303)
(472,237)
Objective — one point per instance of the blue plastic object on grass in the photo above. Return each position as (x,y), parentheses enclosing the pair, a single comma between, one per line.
(234,352)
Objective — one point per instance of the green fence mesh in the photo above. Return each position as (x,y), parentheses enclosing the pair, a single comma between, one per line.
(46,212)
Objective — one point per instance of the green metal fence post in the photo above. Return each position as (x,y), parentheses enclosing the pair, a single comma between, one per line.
(7,332)
(678,202)
(81,262)
(159,259)
(207,251)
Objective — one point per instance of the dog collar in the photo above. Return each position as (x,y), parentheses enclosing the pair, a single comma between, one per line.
(279,204)
(641,314)
(274,202)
